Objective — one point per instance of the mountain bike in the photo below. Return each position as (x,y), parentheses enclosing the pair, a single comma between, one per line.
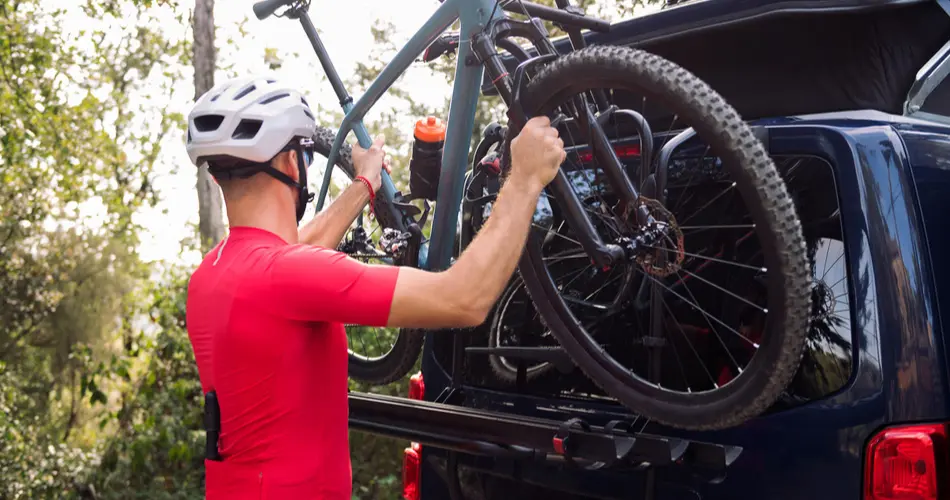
(604,229)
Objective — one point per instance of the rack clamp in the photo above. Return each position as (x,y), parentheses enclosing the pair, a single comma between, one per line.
(562,438)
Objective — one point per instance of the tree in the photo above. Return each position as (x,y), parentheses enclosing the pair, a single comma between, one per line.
(210,204)
(77,161)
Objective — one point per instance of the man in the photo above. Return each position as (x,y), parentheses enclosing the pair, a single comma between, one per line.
(266,306)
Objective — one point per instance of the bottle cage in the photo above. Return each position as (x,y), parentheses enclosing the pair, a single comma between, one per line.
(212,421)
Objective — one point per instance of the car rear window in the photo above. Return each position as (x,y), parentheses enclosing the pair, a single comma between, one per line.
(827,362)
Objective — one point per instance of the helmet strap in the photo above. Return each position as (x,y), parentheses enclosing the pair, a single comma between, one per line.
(304,196)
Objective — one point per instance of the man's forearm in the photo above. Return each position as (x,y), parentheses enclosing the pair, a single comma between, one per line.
(485,267)
(329,226)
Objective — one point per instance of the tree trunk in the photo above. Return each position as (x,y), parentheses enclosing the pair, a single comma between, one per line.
(210,204)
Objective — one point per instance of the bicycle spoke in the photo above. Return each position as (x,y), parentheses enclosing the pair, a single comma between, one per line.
(577,274)
(688,184)
(711,200)
(702,311)
(559,258)
(690,344)
(720,226)
(710,283)
(828,268)
(595,292)
(376,338)
(679,363)
(557,234)
(712,259)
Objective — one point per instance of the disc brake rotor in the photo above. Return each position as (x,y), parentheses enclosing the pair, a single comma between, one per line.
(653,252)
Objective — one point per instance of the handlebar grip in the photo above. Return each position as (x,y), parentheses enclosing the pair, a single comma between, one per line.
(266,8)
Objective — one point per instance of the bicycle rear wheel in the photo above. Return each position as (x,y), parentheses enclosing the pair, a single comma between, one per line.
(658,284)
(376,355)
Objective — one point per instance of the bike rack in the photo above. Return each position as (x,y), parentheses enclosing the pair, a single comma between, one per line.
(448,424)
(504,435)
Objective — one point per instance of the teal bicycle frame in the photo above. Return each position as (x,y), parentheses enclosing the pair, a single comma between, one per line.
(474,15)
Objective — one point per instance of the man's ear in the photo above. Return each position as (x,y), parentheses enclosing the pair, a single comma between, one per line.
(287,163)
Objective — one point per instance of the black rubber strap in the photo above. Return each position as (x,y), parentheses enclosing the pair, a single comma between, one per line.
(212,421)
(245,171)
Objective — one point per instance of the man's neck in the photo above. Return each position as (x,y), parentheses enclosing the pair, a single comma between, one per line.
(272,217)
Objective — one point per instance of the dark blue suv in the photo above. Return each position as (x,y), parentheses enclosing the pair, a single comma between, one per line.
(850,99)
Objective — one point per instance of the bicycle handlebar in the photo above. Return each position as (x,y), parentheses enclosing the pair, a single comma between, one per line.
(266,8)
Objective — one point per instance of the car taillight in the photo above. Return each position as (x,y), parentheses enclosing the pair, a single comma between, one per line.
(622,152)
(412,456)
(417,388)
(411,472)
(902,463)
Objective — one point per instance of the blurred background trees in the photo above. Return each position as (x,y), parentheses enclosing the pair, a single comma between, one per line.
(99,395)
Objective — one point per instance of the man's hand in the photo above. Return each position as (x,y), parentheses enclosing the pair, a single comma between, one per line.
(370,162)
(329,227)
(468,290)
(536,154)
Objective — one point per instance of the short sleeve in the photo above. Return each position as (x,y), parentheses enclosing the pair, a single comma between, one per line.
(317,284)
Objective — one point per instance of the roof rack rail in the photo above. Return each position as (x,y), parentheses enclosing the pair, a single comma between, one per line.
(489,433)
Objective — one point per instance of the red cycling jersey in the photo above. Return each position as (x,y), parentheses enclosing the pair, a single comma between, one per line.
(265,321)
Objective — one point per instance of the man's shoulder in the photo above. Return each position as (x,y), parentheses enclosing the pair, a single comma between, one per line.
(306,252)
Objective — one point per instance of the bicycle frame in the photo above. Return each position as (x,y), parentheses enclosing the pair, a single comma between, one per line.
(476,55)
(473,15)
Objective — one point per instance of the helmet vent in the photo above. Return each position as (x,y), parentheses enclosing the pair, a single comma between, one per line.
(207,123)
(247,90)
(215,98)
(247,129)
(274,98)
(304,101)
(309,115)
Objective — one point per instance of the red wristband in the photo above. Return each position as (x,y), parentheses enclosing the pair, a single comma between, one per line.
(369,186)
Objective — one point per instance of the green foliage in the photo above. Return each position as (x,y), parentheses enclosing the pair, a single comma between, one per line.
(99,393)
(76,163)
(158,448)
(377,460)
(34,464)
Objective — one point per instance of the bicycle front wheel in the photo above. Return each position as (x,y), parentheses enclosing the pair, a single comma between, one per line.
(722,276)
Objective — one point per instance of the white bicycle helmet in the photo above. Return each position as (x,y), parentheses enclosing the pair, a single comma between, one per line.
(238,127)
(249,118)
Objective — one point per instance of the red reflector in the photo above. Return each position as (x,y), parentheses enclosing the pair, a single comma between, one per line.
(558,446)
(622,152)
(411,472)
(417,387)
(901,463)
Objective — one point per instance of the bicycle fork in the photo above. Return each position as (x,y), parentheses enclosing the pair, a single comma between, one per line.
(604,255)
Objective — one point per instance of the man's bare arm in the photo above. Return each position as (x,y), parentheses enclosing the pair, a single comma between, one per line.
(464,294)
(329,227)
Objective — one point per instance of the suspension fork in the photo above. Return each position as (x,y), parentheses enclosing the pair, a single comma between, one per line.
(578,43)
(603,255)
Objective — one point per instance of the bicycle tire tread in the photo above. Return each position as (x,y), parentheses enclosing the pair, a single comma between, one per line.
(676,84)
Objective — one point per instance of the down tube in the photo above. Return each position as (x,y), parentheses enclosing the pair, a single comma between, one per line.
(443,17)
(458,136)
